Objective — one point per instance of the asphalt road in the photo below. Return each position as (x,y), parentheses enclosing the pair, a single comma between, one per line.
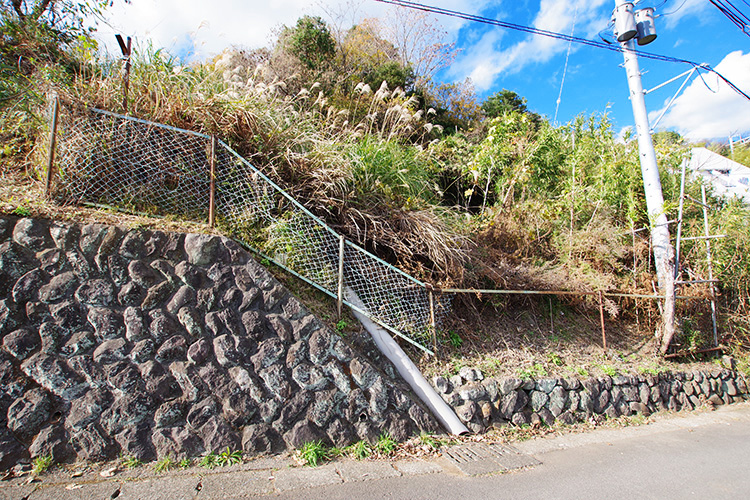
(703,455)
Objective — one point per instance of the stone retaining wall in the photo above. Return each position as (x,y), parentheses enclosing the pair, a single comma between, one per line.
(483,402)
(150,344)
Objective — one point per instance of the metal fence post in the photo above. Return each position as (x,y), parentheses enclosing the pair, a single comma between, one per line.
(432,321)
(601,318)
(212,188)
(340,295)
(52,141)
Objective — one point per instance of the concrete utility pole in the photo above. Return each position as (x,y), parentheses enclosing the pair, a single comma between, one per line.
(626,32)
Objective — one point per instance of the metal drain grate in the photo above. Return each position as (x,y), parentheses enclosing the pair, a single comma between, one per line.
(476,459)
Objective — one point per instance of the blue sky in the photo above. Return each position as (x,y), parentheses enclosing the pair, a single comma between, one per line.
(496,58)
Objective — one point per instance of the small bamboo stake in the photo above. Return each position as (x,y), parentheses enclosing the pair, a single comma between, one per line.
(601,318)
(432,321)
(212,184)
(340,298)
(52,141)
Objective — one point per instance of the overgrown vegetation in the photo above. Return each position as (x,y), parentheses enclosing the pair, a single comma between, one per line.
(457,192)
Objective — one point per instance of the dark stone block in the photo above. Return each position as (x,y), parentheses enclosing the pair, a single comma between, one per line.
(52,261)
(11,451)
(53,440)
(131,294)
(157,295)
(27,287)
(170,413)
(93,444)
(59,287)
(110,351)
(22,343)
(178,442)
(201,249)
(191,321)
(107,323)
(185,296)
(217,436)
(163,326)
(261,439)
(129,410)
(37,313)
(55,375)
(199,351)
(27,415)
(174,348)
(305,432)
(136,442)
(32,234)
(133,246)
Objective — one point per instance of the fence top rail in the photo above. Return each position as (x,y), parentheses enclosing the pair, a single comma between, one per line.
(150,124)
(563,292)
(275,186)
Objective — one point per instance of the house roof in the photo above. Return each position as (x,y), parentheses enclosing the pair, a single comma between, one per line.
(728,178)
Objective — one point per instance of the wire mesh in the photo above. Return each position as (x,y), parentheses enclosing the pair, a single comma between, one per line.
(137,166)
(141,166)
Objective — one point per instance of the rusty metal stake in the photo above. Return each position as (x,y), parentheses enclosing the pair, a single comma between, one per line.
(212,184)
(601,318)
(340,295)
(52,141)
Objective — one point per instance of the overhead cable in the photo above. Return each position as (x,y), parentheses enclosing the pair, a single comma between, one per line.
(560,36)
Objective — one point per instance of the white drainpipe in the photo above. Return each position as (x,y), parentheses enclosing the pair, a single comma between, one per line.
(408,371)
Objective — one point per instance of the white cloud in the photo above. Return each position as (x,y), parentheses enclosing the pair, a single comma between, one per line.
(485,61)
(700,113)
(672,17)
(210,27)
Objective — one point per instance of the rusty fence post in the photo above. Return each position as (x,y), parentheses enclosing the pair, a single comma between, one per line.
(601,318)
(212,184)
(340,294)
(52,142)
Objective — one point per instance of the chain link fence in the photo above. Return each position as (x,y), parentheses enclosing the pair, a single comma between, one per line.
(144,167)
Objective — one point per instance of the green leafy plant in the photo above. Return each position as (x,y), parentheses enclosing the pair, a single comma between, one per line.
(608,370)
(536,370)
(41,464)
(209,461)
(454,339)
(229,457)
(385,445)
(581,371)
(184,463)
(426,438)
(312,453)
(341,325)
(555,359)
(131,462)
(165,464)
(360,450)
(21,211)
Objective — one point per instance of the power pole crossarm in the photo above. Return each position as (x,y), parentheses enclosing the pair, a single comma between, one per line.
(662,246)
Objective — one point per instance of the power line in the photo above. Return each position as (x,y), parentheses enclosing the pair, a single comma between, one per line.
(560,36)
(734,14)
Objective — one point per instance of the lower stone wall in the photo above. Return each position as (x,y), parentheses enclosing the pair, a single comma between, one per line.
(483,402)
(146,343)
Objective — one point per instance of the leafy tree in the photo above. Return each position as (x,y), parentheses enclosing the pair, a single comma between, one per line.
(507,101)
(311,42)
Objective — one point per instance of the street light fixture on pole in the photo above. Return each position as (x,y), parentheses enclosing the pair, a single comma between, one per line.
(627,31)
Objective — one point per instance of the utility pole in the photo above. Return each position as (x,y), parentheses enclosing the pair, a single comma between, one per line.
(627,31)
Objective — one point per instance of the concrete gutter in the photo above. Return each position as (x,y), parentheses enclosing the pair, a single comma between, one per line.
(408,370)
